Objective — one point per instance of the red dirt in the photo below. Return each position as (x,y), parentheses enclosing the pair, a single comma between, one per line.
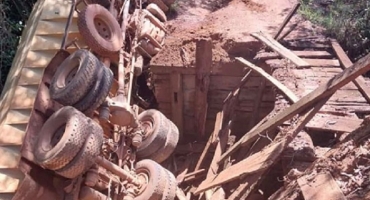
(228,26)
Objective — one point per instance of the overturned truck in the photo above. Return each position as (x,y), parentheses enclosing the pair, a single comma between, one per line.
(78,130)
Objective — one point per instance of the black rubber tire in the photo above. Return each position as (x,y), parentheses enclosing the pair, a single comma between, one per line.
(157,180)
(56,156)
(104,3)
(98,92)
(172,139)
(81,82)
(156,136)
(102,46)
(171,186)
(87,154)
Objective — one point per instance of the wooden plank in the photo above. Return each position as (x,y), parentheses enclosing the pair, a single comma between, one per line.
(213,137)
(203,65)
(320,187)
(10,157)
(177,98)
(346,63)
(326,89)
(286,20)
(280,49)
(286,91)
(9,180)
(334,123)
(301,54)
(261,161)
(323,62)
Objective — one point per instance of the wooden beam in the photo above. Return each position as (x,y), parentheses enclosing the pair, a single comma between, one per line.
(327,89)
(203,65)
(346,63)
(280,49)
(286,91)
(287,19)
(261,161)
(301,54)
(177,99)
(320,187)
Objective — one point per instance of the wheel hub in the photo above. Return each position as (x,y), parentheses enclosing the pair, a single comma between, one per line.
(102,28)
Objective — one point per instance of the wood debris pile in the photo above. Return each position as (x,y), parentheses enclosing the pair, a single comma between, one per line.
(246,168)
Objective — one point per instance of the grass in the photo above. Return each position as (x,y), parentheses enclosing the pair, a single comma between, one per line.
(346,20)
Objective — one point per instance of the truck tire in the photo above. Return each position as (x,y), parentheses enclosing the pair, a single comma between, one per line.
(171,186)
(86,156)
(156,129)
(61,138)
(153,174)
(172,139)
(100,30)
(98,92)
(74,77)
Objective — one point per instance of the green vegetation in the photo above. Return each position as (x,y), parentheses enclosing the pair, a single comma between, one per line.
(346,20)
(13,16)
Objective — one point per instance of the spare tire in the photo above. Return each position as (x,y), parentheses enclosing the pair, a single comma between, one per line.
(100,30)
(61,138)
(74,77)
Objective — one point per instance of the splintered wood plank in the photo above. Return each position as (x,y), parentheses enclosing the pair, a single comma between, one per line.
(213,137)
(55,28)
(280,49)
(326,89)
(321,187)
(203,65)
(323,62)
(286,91)
(177,99)
(346,63)
(301,54)
(262,160)
(334,123)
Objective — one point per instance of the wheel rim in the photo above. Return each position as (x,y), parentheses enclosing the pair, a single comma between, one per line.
(147,126)
(54,138)
(103,28)
(143,177)
(68,73)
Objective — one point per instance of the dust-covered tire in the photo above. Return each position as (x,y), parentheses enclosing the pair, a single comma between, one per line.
(86,156)
(156,128)
(156,180)
(172,139)
(112,40)
(74,77)
(76,129)
(171,186)
(98,92)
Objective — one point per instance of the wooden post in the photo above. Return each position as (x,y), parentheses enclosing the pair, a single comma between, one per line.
(177,101)
(203,65)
